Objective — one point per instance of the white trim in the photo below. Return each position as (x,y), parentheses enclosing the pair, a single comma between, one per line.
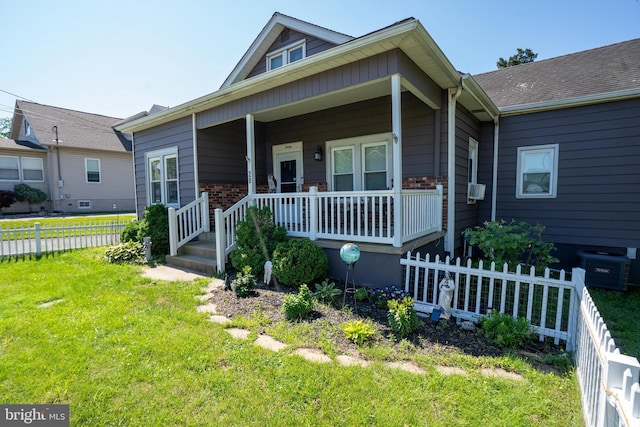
(194,130)
(17,158)
(22,168)
(288,151)
(86,171)
(285,52)
(472,175)
(161,155)
(357,143)
(87,202)
(553,150)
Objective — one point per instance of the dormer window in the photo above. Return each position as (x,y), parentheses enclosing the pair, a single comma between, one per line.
(27,128)
(286,55)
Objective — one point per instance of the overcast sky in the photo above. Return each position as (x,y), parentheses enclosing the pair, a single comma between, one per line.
(118,58)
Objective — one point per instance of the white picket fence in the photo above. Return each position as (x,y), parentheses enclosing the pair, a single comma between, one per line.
(556,307)
(39,239)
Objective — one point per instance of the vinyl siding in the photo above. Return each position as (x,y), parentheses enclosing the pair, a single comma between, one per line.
(598,196)
(174,134)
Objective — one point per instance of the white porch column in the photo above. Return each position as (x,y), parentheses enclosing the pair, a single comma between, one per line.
(396,128)
(196,179)
(251,161)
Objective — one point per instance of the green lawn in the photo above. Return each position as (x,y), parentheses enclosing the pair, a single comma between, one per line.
(126,350)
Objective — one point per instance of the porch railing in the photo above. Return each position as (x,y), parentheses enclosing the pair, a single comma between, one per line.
(359,216)
(188,222)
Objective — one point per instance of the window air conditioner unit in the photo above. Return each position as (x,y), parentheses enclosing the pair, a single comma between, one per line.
(476,191)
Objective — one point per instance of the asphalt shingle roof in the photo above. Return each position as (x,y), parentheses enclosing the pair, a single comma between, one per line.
(596,71)
(19,145)
(76,129)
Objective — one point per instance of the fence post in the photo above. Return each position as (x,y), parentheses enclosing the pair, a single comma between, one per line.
(206,224)
(577,279)
(221,238)
(313,207)
(36,234)
(173,232)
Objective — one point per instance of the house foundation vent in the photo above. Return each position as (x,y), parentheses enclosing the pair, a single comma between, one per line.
(605,270)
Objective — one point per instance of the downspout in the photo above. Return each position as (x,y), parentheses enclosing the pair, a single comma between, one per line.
(453,95)
(494,184)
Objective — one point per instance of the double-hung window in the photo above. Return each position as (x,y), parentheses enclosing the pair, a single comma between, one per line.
(162,177)
(9,168)
(32,169)
(361,163)
(537,174)
(286,55)
(92,168)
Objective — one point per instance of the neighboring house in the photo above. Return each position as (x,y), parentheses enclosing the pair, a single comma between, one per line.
(377,140)
(568,150)
(78,159)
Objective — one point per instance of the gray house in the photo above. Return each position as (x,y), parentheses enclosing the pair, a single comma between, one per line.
(78,159)
(376,140)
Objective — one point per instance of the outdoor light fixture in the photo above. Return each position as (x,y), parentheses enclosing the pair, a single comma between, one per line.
(318,154)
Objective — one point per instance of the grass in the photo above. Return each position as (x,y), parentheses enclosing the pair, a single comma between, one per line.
(122,349)
(620,312)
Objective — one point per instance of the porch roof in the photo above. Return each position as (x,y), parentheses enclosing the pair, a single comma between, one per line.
(408,35)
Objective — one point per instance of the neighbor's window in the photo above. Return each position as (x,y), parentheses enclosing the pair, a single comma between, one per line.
(361,163)
(286,55)
(162,177)
(537,175)
(92,166)
(32,169)
(84,204)
(9,168)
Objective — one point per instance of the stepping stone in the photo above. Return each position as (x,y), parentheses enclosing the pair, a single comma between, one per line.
(313,355)
(207,308)
(501,373)
(242,334)
(406,366)
(345,360)
(265,341)
(222,320)
(450,370)
(213,285)
(205,297)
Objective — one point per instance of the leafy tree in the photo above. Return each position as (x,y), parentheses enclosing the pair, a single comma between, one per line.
(5,127)
(32,196)
(521,57)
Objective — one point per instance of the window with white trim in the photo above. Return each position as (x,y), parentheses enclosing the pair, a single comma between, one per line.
(92,169)
(286,55)
(84,204)
(537,174)
(162,177)
(362,163)
(32,169)
(472,166)
(9,168)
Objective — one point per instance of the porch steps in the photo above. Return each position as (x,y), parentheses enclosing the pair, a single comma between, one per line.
(198,256)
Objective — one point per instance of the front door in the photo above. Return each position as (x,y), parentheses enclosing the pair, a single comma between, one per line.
(287,161)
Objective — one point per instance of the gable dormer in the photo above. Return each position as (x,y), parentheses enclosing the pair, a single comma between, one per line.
(282,41)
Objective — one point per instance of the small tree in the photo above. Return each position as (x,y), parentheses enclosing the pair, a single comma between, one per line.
(5,127)
(32,196)
(7,198)
(521,57)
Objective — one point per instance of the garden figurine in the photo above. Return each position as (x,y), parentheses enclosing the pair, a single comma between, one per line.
(447,286)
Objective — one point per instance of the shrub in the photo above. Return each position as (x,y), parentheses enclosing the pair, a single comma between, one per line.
(299,261)
(130,232)
(244,283)
(128,252)
(512,243)
(7,198)
(326,292)
(155,224)
(32,196)
(402,317)
(358,331)
(505,331)
(298,306)
(256,238)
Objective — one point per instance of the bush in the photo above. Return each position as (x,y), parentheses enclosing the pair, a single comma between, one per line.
(130,232)
(7,198)
(512,243)
(402,317)
(326,292)
(32,196)
(128,252)
(244,283)
(505,331)
(358,331)
(298,306)
(256,238)
(155,224)
(299,261)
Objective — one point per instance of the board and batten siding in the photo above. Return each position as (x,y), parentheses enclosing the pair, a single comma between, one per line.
(313,45)
(177,133)
(598,193)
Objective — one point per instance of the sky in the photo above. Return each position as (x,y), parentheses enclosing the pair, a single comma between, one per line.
(118,58)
